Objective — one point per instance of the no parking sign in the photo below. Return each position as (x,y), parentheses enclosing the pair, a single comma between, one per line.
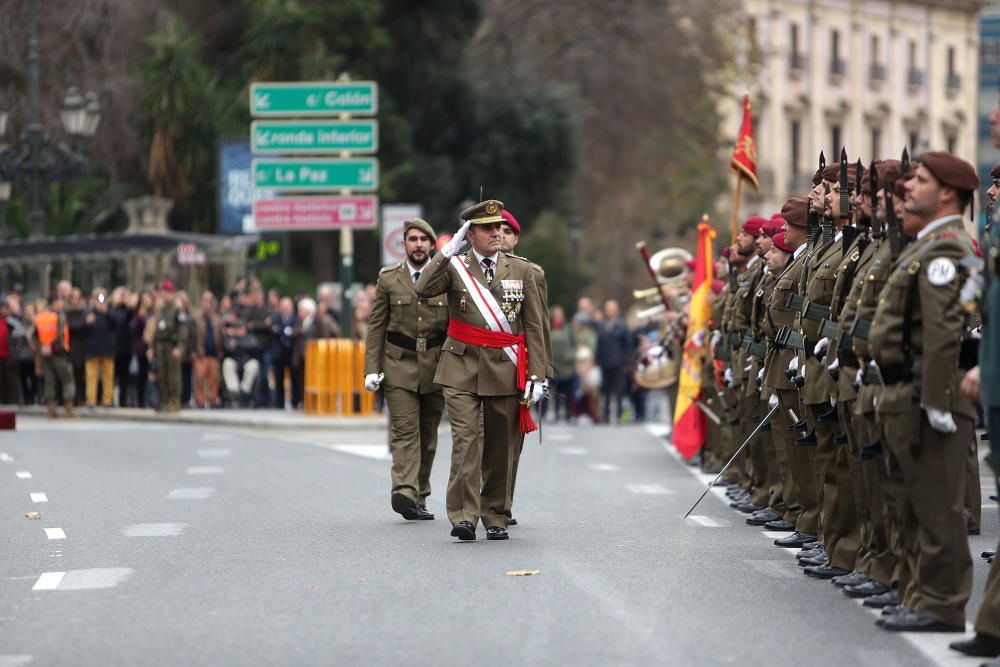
(393,217)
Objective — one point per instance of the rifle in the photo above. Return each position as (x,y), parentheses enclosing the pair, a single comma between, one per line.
(875,223)
(891,224)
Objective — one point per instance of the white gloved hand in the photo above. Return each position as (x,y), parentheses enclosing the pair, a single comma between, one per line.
(748,367)
(373,380)
(793,365)
(833,400)
(860,374)
(773,401)
(716,337)
(728,376)
(834,366)
(760,374)
(941,420)
(533,391)
(823,343)
(451,248)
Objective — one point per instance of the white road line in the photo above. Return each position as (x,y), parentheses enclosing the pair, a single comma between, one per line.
(154,530)
(377,452)
(604,467)
(573,451)
(707,521)
(204,470)
(39,498)
(6,458)
(216,436)
(651,489)
(49,581)
(23,474)
(191,493)
(560,437)
(102,577)
(55,533)
(214,453)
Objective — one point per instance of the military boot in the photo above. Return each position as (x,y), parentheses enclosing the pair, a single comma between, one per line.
(51,410)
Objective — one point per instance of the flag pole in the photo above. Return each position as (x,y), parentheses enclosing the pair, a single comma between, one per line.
(736,206)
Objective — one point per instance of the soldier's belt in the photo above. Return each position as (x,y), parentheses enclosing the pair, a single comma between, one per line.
(828,329)
(815,311)
(860,328)
(746,339)
(723,352)
(892,374)
(733,340)
(790,338)
(795,301)
(414,344)
(757,350)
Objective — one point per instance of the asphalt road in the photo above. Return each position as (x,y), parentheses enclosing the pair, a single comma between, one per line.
(185,545)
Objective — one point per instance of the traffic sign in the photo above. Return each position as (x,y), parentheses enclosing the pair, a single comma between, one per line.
(314,136)
(314,98)
(393,217)
(315,213)
(315,174)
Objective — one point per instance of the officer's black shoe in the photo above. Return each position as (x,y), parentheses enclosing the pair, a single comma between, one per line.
(818,561)
(810,553)
(464,531)
(973,531)
(808,440)
(840,439)
(882,600)
(795,540)
(830,416)
(418,514)
(496,533)
(980,646)
(826,572)
(893,609)
(852,579)
(866,590)
(911,621)
(986,555)
(812,545)
(799,426)
(990,663)
(763,517)
(512,522)
(748,507)
(780,524)
(401,503)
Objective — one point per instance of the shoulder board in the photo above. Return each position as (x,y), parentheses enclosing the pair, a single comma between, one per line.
(518,257)
(391,267)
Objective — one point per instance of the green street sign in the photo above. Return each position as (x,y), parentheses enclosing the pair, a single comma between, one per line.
(314,98)
(315,174)
(314,136)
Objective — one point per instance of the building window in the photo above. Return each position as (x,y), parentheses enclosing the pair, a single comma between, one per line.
(795,58)
(837,66)
(914,140)
(796,132)
(952,143)
(835,137)
(989,52)
(876,71)
(954,80)
(914,76)
(876,143)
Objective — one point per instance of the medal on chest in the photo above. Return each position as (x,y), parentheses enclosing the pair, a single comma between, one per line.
(513,296)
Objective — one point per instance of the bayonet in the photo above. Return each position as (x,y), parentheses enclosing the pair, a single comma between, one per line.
(891,224)
(876,224)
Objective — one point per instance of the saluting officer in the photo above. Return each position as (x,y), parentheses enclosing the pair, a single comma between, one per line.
(916,335)
(492,365)
(402,349)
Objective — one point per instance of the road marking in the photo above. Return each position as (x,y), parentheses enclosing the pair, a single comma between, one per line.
(55,533)
(15,660)
(652,489)
(708,522)
(49,581)
(154,529)
(39,498)
(6,458)
(204,470)
(604,467)
(191,493)
(104,577)
(377,452)
(216,436)
(214,453)
(23,474)
(560,437)
(573,451)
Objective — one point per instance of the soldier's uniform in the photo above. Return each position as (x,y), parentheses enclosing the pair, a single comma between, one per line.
(479,378)
(919,366)
(403,342)
(170,333)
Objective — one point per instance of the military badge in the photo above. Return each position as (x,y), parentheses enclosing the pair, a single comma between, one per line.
(513,296)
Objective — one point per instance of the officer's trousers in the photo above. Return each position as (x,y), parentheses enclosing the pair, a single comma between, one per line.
(413,424)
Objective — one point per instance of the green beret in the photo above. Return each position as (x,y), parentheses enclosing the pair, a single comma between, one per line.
(417,223)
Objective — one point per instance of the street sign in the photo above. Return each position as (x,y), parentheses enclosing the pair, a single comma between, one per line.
(314,98)
(315,213)
(315,174)
(314,136)
(188,254)
(393,217)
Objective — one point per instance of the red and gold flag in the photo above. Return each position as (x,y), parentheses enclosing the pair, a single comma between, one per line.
(689,422)
(744,161)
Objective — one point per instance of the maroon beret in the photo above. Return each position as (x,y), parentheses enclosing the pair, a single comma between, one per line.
(900,187)
(832,172)
(951,171)
(796,212)
(773,225)
(717,286)
(818,177)
(725,252)
(753,225)
(779,241)
(508,218)
(995,171)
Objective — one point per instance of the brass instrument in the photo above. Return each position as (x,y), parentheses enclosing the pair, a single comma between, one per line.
(652,304)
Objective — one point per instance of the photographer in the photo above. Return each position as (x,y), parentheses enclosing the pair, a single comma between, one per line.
(99,349)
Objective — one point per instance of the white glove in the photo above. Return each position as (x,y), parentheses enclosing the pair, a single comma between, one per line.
(728,376)
(748,367)
(760,374)
(941,420)
(716,337)
(834,366)
(833,400)
(373,380)
(451,248)
(773,401)
(860,374)
(802,372)
(533,391)
(823,343)
(793,365)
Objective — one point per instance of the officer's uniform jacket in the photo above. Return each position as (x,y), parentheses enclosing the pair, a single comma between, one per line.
(926,279)
(481,370)
(405,332)
(844,309)
(818,385)
(740,314)
(859,312)
(989,347)
(758,307)
(543,294)
(777,316)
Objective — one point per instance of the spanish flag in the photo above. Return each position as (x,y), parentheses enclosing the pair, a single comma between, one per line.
(744,161)
(689,422)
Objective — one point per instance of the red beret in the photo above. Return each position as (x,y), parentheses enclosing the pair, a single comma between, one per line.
(725,252)
(508,218)
(773,225)
(951,171)
(779,241)
(717,285)
(796,212)
(167,286)
(753,225)
(832,172)
(818,177)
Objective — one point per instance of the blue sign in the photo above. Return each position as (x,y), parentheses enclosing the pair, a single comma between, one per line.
(235,187)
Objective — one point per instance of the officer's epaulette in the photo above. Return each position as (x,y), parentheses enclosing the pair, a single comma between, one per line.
(391,267)
(536,267)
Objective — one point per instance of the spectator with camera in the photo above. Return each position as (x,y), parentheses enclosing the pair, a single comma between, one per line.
(99,349)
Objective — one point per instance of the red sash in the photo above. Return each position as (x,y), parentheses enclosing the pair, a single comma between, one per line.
(473,335)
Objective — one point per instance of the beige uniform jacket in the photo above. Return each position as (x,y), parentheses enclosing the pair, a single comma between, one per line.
(819,384)
(929,271)
(777,316)
(481,370)
(398,312)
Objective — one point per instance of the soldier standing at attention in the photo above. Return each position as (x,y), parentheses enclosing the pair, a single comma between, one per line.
(169,336)
(51,335)
(916,336)
(492,366)
(402,348)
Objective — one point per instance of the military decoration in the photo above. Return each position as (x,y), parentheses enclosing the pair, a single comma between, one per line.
(513,296)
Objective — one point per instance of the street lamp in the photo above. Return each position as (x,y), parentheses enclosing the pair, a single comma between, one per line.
(3,119)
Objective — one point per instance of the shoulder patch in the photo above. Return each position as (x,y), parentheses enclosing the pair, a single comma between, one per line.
(941,272)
